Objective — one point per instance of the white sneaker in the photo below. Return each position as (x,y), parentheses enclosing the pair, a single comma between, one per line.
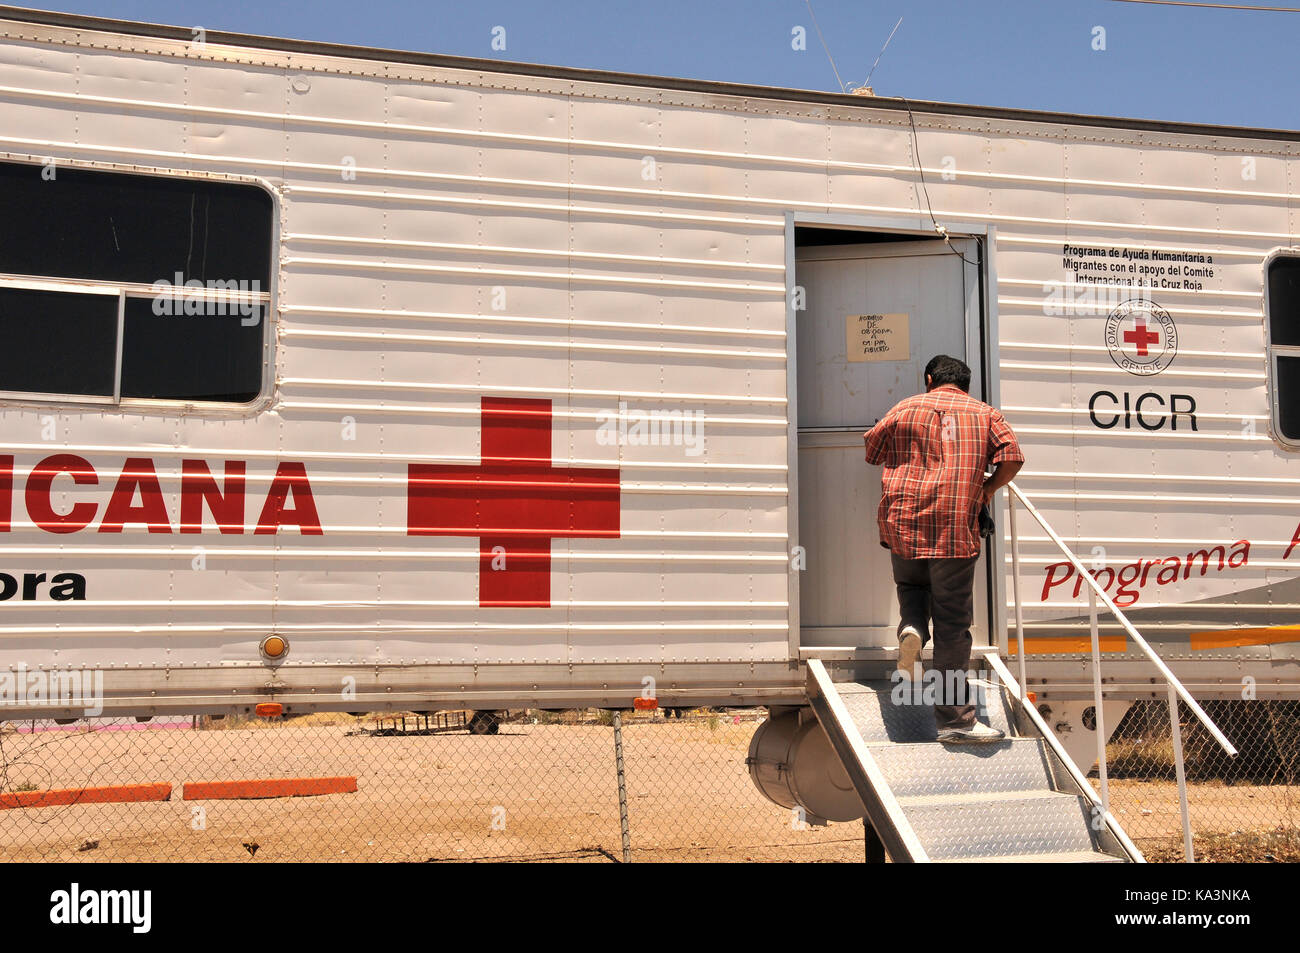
(976,734)
(909,653)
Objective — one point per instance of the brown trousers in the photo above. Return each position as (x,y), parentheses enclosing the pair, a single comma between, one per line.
(942,591)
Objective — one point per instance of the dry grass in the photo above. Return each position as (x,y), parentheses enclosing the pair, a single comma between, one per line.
(1278,846)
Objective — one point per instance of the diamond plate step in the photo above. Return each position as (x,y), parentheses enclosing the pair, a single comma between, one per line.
(1016,764)
(883,715)
(1065,857)
(976,827)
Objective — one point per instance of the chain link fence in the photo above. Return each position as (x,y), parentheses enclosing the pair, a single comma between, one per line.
(1243,808)
(536,786)
(540,786)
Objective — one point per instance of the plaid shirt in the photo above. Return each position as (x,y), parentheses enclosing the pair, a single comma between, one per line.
(935,448)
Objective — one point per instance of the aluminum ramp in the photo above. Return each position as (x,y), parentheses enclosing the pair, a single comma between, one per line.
(1020,800)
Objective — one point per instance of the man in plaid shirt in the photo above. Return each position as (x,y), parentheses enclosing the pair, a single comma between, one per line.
(935,448)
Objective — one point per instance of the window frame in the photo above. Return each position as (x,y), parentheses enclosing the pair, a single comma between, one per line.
(1273,351)
(166,406)
(86,288)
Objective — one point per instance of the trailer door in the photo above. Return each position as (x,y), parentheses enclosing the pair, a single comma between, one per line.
(874,314)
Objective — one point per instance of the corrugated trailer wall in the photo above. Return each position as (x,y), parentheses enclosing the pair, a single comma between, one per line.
(442,244)
(449,236)
(1189,502)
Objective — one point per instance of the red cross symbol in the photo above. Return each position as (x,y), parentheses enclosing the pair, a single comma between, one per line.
(515,500)
(1141,337)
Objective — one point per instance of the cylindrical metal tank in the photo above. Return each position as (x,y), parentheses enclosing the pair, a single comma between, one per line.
(791,761)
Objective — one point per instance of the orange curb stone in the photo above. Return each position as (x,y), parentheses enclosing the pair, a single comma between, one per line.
(271,787)
(104,795)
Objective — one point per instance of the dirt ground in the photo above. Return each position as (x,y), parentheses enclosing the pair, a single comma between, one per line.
(533,792)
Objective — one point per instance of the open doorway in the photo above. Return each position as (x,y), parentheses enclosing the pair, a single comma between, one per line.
(869,308)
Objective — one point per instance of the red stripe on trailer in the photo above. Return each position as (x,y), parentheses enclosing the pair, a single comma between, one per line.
(268,787)
(114,794)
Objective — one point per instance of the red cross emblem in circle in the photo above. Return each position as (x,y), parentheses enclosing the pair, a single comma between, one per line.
(514,501)
(1141,337)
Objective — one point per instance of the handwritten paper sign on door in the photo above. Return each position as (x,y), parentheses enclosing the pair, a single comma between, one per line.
(877,337)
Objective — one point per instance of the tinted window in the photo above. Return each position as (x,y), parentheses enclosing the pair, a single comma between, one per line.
(1284,301)
(191,356)
(114,226)
(1286,378)
(57,343)
(141,230)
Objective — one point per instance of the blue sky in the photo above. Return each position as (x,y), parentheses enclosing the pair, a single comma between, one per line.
(1161,62)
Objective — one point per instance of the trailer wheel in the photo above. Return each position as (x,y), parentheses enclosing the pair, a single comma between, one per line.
(484,723)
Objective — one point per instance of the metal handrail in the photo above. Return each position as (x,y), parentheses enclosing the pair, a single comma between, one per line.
(1176,688)
(1071,769)
(883,812)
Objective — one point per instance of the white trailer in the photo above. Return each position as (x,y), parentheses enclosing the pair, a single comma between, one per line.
(342,378)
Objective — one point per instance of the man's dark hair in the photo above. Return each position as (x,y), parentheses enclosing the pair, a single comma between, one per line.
(943,369)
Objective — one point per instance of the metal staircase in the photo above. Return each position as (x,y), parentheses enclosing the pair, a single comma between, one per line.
(1016,800)
(1021,799)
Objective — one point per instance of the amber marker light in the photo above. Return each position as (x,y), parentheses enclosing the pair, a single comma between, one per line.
(274,648)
